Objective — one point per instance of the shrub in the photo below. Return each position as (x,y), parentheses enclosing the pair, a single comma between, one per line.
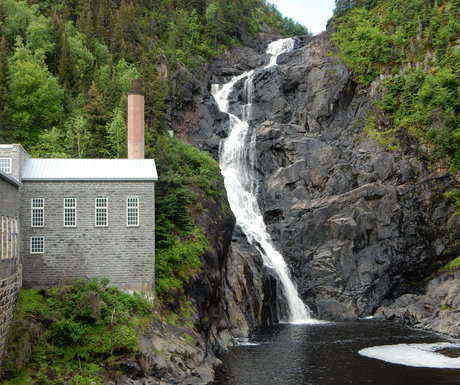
(74,333)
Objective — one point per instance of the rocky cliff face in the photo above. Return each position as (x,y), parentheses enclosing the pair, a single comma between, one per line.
(359,226)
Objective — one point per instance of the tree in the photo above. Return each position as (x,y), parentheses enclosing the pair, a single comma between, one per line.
(116,134)
(97,115)
(35,101)
(78,134)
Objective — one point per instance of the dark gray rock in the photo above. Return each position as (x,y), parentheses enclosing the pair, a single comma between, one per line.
(438,308)
(355,222)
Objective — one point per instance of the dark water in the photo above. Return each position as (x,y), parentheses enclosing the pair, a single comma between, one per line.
(328,355)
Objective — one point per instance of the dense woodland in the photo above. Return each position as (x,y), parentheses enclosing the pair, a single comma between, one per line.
(66,66)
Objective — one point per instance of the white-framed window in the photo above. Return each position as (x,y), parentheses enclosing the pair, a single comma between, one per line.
(37,212)
(9,236)
(70,212)
(5,165)
(37,245)
(101,212)
(132,211)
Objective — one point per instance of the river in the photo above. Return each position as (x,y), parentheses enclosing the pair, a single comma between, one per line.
(327,354)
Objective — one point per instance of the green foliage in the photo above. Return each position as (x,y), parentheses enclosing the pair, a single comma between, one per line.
(64,63)
(412,42)
(452,265)
(74,333)
(187,177)
(375,38)
(364,47)
(35,98)
(177,264)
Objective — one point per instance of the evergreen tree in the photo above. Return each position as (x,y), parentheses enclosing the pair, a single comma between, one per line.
(97,116)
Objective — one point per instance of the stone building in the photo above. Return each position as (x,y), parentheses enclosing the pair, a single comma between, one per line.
(82,218)
(10,263)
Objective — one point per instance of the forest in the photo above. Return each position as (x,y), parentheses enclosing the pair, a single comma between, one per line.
(66,66)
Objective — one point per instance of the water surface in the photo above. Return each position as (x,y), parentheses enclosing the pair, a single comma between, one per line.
(328,355)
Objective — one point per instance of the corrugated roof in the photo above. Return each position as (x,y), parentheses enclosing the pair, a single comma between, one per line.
(89,169)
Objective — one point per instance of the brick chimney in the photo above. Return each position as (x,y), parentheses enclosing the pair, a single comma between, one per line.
(136,141)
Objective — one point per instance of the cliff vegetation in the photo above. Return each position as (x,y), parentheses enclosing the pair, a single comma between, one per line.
(411,46)
(90,333)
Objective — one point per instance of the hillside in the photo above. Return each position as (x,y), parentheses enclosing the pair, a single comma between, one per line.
(66,66)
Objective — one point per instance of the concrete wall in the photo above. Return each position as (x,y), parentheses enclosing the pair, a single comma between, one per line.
(123,254)
(10,269)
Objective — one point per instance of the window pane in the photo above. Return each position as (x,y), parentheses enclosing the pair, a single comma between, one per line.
(37,212)
(101,216)
(70,212)
(37,245)
(132,211)
(5,165)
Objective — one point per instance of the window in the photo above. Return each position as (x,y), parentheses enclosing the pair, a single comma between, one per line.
(132,211)
(9,238)
(70,212)
(15,238)
(5,165)
(38,212)
(37,245)
(102,219)
(4,237)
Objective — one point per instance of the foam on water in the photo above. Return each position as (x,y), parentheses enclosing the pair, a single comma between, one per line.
(418,355)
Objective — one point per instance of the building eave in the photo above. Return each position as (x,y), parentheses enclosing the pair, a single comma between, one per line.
(10,179)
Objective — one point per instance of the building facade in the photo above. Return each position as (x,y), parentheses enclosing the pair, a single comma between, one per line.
(68,219)
(85,218)
(10,263)
(82,218)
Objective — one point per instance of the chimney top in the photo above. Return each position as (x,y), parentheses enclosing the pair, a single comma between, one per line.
(137,87)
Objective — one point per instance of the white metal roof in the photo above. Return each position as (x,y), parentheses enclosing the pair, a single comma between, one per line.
(89,169)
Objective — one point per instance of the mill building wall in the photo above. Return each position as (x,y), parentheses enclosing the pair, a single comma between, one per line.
(121,253)
(10,262)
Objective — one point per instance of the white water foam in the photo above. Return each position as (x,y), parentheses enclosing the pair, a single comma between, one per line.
(236,163)
(277,48)
(418,355)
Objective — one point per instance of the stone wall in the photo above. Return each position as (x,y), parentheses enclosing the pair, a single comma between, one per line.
(9,197)
(10,283)
(18,157)
(123,254)
(10,264)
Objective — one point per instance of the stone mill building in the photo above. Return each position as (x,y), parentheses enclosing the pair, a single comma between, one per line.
(64,219)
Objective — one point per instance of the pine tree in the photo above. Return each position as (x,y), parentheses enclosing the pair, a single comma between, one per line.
(64,59)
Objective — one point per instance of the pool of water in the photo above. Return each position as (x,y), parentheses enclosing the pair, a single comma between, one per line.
(328,355)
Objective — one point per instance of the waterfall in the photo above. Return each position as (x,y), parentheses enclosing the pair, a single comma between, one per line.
(237,165)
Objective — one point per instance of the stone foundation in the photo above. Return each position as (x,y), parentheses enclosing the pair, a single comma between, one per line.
(10,283)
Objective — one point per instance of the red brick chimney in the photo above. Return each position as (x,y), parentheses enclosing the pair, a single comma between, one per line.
(136,141)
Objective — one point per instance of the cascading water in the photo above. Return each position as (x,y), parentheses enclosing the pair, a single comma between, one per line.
(236,163)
